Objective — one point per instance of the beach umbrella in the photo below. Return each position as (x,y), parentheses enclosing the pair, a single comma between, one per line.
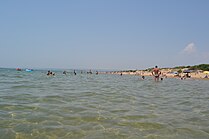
(206,72)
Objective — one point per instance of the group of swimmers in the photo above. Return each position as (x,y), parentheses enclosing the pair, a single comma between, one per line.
(156,73)
(74,72)
(50,73)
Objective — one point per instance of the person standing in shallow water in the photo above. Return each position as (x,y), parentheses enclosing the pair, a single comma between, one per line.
(156,73)
(74,72)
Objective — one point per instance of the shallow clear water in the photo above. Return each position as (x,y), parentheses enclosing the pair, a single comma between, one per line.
(35,106)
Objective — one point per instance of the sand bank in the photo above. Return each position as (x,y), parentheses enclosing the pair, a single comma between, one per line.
(165,73)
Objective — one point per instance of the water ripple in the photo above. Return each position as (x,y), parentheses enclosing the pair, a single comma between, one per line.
(33,105)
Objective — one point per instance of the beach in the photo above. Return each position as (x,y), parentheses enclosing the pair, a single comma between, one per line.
(104,106)
(170,73)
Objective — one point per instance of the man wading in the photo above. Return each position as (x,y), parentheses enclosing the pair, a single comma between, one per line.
(156,73)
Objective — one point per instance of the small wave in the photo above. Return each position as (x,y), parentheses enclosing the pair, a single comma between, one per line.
(18,76)
(142,125)
(137,117)
(21,86)
(4,75)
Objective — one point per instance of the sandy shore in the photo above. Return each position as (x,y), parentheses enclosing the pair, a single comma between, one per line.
(165,73)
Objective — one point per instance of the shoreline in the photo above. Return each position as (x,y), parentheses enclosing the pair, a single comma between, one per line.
(164,74)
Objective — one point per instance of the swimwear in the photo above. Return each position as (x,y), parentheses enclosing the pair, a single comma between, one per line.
(156,76)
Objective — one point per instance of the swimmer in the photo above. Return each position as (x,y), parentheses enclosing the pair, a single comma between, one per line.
(143,77)
(65,72)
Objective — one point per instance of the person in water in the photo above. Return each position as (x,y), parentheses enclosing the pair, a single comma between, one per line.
(156,73)
(50,73)
(65,72)
(143,77)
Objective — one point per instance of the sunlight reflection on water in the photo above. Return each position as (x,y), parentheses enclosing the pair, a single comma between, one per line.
(33,105)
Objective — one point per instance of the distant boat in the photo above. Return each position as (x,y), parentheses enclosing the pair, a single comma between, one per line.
(28,70)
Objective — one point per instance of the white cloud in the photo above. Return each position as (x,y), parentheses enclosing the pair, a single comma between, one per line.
(190,55)
(190,49)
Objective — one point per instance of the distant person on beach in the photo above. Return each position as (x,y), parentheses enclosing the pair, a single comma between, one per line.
(156,73)
(187,75)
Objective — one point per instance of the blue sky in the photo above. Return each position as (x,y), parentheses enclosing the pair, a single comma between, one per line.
(103,34)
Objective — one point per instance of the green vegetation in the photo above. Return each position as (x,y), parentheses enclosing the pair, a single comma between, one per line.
(129,71)
(182,67)
(204,67)
(149,69)
(179,71)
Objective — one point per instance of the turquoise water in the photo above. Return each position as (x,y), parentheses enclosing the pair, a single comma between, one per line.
(36,106)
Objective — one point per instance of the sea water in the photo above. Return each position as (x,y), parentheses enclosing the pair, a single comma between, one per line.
(89,106)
